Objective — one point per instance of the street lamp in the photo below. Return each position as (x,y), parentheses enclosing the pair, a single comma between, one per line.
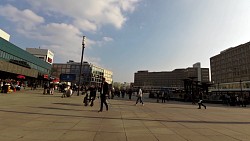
(241,87)
(80,74)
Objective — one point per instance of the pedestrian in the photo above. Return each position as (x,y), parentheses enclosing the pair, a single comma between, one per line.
(92,90)
(51,88)
(45,87)
(163,97)
(244,99)
(68,92)
(139,97)
(123,92)
(200,103)
(130,91)
(104,92)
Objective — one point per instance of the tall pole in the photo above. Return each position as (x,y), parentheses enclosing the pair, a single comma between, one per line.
(80,74)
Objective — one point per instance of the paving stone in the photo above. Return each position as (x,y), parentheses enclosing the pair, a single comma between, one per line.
(31,116)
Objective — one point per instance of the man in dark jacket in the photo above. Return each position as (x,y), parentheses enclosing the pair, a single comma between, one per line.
(104,92)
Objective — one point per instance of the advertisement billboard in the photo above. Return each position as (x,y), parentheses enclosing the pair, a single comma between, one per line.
(68,77)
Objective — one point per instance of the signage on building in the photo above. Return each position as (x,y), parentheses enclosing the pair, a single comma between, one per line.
(49,60)
(46,76)
(68,77)
(20,63)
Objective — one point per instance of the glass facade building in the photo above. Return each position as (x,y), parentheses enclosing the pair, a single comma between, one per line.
(91,74)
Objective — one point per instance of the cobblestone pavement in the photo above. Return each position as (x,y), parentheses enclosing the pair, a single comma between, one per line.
(29,115)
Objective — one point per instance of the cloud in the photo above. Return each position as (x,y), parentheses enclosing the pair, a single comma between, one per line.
(128,5)
(108,39)
(64,22)
(85,25)
(103,41)
(88,15)
(24,18)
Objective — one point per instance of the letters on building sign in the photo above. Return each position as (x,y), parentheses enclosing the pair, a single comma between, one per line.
(20,63)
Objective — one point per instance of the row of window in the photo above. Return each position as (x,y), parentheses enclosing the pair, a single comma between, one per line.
(7,56)
(236,85)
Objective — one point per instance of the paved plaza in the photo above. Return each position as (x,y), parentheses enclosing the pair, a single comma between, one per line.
(31,116)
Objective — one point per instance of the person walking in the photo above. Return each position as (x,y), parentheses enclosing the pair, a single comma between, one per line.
(163,97)
(51,88)
(123,92)
(104,92)
(45,87)
(200,103)
(92,90)
(139,97)
(130,91)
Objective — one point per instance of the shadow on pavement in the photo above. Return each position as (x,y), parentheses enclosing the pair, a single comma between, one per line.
(139,119)
(70,104)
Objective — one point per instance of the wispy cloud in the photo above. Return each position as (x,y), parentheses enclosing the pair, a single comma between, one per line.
(23,18)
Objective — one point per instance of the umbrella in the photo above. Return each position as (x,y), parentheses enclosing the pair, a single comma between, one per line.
(21,76)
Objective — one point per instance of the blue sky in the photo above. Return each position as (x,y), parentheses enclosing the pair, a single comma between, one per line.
(125,36)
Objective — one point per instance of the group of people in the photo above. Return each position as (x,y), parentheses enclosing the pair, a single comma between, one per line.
(104,94)
(235,100)
(49,88)
(11,85)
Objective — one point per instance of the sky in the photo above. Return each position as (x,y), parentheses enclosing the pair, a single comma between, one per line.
(126,36)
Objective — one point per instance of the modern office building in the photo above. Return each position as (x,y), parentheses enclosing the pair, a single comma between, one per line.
(91,74)
(15,61)
(230,70)
(44,54)
(170,79)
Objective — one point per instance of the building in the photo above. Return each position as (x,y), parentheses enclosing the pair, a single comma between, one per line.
(4,35)
(230,70)
(199,74)
(91,74)
(170,79)
(15,61)
(44,54)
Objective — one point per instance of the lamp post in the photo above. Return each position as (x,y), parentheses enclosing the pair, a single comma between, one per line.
(80,74)
(241,87)
(218,87)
